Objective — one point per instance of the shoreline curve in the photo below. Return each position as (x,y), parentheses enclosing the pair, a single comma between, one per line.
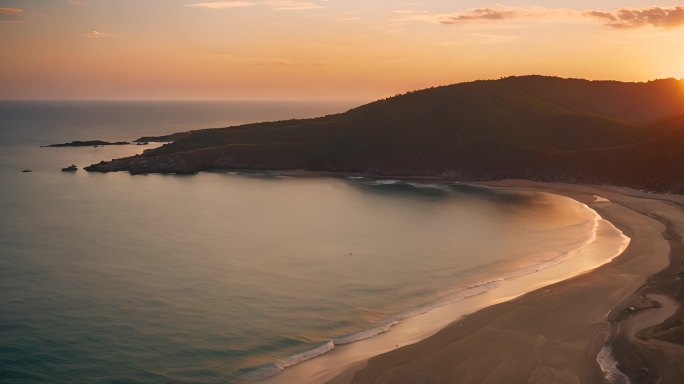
(555,334)
(336,363)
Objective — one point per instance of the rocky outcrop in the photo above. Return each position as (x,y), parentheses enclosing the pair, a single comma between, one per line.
(90,143)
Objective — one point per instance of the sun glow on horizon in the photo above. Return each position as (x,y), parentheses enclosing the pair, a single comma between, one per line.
(179,49)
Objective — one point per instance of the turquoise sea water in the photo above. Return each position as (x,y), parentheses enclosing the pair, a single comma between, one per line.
(218,277)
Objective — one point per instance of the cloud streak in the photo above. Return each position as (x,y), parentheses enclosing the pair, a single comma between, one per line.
(94,34)
(11,11)
(628,18)
(252,60)
(489,14)
(223,4)
(480,14)
(277,5)
(293,5)
(11,15)
(624,18)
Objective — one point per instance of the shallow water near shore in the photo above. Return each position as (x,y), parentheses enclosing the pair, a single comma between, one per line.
(223,277)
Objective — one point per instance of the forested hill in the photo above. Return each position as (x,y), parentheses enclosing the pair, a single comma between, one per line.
(535,127)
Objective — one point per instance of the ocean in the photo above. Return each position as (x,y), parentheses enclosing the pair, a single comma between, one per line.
(235,276)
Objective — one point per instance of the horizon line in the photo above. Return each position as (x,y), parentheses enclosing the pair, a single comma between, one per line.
(324,99)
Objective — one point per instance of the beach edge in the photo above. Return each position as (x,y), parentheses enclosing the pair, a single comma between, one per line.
(556,333)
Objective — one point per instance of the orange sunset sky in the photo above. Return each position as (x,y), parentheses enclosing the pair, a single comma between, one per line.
(332,49)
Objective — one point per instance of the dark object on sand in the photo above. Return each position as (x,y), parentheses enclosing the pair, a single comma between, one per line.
(71,168)
(26,170)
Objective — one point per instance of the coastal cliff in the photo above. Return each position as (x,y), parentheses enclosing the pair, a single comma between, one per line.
(531,127)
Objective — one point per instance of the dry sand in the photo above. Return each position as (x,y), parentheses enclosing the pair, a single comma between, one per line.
(554,334)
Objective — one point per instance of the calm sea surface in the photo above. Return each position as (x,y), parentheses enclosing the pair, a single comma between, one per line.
(212,278)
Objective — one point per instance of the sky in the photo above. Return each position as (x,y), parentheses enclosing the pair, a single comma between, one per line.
(323,49)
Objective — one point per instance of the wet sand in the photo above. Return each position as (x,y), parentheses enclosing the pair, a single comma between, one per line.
(554,334)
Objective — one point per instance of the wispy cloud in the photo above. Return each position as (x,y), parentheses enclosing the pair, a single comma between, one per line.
(94,34)
(493,14)
(350,19)
(480,14)
(276,5)
(636,18)
(11,11)
(406,11)
(11,15)
(624,18)
(252,60)
(270,61)
(293,5)
(479,39)
(261,61)
(223,4)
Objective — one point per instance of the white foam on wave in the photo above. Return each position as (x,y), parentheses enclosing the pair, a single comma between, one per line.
(409,183)
(600,199)
(366,334)
(280,365)
(384,182)
(608,365)
(304,356)
(429,186)
(260,374)
(459,295)
(562,256)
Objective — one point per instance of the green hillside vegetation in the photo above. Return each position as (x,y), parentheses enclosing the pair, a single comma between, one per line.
(535,127)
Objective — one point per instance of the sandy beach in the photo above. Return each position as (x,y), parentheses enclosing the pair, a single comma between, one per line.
(628,311)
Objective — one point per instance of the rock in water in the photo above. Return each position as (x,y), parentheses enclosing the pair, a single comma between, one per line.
(89,143)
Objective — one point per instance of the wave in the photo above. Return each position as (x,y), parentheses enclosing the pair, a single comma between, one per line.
(366,334)
(384,182)
(259,374)
(563,256)
(461,294)
(429,186)
(609,367)
(304,356)
(280,365)
(407,186)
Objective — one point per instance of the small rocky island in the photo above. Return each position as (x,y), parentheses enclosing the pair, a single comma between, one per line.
(71,168)
(90,143)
